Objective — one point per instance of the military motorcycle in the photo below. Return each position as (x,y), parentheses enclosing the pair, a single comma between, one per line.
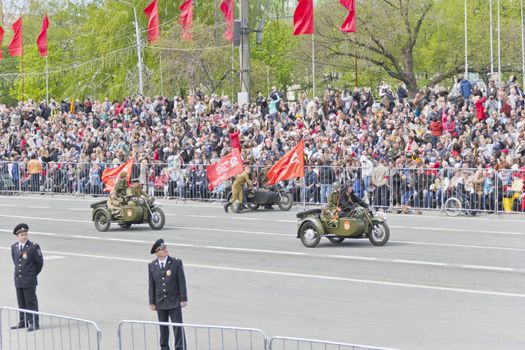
(360,223)
(142,212)
(260,197)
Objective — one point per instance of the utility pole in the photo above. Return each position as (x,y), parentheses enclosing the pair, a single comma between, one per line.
(244,55)
(139,46)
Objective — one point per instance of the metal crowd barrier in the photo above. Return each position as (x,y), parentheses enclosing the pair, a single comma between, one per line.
(55,332)
(135,335)
(283,343)
(474,190)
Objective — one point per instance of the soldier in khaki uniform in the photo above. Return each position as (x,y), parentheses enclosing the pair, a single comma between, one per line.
(118,196)
(330,213)
(237,188)
(136,191)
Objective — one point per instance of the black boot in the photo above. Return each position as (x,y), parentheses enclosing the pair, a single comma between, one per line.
(226,206)
(19,326)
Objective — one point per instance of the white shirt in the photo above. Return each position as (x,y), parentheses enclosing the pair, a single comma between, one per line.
(162,263)
(21,246)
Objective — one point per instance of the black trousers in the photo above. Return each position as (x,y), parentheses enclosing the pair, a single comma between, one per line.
(175,315)
(27,300)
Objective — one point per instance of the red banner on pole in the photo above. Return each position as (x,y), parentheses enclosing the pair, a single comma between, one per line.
(303,18)
(186,19)
(1,38)
(109,176)
(15,46)
(228,9)
(152,11)
(41,41)
(349,24)
(227,167)
(289,166)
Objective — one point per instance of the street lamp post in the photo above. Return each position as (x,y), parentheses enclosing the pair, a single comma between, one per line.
(139,47)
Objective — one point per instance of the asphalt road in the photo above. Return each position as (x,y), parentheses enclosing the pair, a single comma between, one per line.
(441,283)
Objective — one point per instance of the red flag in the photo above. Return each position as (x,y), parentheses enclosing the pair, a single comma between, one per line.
(152,11)
(289,166)
(228,9)
(227,167)
(348,25)
(109,176)
(303,18)
(41,41)
(15,46)
(186,19)
(1,38)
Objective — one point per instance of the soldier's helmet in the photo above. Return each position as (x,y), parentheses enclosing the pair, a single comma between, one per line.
(123,174)
(336,186)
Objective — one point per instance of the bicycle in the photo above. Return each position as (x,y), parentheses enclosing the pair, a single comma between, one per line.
(457,204)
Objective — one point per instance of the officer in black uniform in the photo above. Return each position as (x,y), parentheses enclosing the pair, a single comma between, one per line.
(167,293)
(348,200)
(28,260)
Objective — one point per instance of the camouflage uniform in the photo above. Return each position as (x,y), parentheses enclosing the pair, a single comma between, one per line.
(117,198)
(330,213)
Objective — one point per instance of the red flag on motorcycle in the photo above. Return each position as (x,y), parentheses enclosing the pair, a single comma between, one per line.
(289,166)
(109,176)
(227,167)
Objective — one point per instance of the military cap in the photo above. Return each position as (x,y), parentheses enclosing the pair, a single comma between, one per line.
(336,186)
(123,174)
(158,245)
(20,228)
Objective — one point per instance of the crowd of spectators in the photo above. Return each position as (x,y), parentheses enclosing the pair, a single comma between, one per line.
(396,149)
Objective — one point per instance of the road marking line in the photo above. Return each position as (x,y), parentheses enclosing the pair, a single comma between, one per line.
(283,252)
(229,231)
(488,268)
(125,240)
(461,246)
(419,262)
(45,219)
(33,233)
(8,205)
(309,276)
(37,207)
(79,209)
(53,257)
(353,257)
(88,237)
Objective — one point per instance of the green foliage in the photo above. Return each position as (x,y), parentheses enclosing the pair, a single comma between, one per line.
(92,47)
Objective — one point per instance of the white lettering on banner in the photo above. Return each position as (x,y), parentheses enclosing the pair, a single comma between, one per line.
(234,161)
(295,159)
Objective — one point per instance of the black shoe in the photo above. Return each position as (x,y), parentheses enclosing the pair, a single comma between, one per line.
(18,326)
(268,207)
(32,328)
(226,206)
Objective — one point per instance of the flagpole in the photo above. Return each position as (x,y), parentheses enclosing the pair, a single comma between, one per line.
(522,45)
(499,44)
(491,40)
(466,41)
(313,66)
(161,78)
(47,81)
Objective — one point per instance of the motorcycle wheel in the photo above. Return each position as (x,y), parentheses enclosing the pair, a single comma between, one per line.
(309,235)
(379,233)
(284,201)
(157,219)
(253,206)
(102,221)
(336,239)
(125,225)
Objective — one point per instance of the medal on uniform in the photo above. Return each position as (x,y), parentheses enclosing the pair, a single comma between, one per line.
(168,273)
(24,256)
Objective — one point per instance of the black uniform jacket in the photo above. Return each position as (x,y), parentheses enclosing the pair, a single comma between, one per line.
(167,287)
(28,264)
(349,200)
